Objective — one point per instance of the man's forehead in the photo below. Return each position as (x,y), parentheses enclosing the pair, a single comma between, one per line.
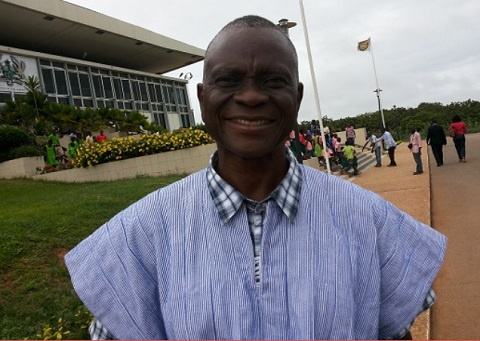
(249,41)
(246,38)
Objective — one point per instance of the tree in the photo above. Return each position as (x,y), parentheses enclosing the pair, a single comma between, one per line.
(34,96)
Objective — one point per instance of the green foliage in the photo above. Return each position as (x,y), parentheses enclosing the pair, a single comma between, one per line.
(399,120)
(41,221)
(10,139)
(25,151)
(135,122)
(61,328)
(201,127)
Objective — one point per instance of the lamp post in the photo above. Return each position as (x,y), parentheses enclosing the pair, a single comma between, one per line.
(377,90)
(285,25)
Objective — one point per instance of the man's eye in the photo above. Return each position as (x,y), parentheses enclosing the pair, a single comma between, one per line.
(275,82)
(226,81)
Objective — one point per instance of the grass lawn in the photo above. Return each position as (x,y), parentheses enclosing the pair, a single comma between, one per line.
(39,222)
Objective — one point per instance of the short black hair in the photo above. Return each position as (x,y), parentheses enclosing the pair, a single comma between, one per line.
(456,118)
(251,21)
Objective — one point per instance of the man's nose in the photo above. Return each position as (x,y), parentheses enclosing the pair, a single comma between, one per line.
(251,94)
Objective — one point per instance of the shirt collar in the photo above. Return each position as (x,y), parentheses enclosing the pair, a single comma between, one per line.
(228,200)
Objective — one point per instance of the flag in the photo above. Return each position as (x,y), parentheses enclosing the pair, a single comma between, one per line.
(364,45)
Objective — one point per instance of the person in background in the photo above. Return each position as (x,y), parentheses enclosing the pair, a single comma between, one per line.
(376,145)
(415,146)
(59,150)
(310,145)
(349,156)
(350,134)
(50,157)
(89,139)
(457,130)
(256,246)
(101,136)
(436,139)
(72,149)
(391,146)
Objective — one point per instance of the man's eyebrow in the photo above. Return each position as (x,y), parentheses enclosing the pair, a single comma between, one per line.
(224,69)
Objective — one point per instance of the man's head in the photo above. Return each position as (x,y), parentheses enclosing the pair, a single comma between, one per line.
(250,94)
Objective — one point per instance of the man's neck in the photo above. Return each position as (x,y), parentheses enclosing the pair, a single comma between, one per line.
(256,179)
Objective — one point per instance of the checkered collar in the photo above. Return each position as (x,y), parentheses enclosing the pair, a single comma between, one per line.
(228,200)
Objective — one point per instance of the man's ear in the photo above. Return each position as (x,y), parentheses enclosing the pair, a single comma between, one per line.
(299,94)
(200,97)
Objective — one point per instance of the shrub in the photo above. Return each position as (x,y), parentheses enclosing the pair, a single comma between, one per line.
(11,138)
(25,151)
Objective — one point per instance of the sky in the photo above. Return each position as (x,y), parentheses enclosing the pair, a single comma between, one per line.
(423,51)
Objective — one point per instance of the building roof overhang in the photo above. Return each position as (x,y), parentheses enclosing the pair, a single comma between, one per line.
(60,28)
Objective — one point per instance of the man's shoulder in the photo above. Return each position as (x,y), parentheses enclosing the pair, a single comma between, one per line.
(192,182)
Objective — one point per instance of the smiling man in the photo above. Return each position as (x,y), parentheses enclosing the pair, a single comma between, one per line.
(256,246)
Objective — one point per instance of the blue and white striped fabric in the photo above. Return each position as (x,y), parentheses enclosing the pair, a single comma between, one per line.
(168,267)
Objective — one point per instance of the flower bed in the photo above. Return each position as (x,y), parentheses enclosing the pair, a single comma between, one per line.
(129,147)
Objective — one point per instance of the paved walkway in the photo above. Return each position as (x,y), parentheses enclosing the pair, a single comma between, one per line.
(456,213)
(448,200)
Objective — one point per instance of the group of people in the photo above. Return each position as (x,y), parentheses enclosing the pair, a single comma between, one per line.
(436,139)
(56,154)
(256,245)
(336,153)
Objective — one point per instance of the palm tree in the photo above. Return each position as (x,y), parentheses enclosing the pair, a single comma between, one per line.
(32,84)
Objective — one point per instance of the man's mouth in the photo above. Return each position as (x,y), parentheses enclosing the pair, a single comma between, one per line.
(251,122)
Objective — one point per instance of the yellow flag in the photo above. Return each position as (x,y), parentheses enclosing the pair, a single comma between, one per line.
(364,45)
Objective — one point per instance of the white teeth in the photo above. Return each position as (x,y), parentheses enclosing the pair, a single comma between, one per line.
(251,123)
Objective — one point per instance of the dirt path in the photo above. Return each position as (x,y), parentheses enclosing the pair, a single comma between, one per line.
(455,191)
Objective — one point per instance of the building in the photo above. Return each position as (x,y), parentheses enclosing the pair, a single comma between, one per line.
(87,59)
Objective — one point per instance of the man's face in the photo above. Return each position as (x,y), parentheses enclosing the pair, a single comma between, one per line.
(251,94)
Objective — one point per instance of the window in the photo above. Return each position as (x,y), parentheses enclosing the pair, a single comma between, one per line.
(107,85)
(158,90)
(48,80)
(74,84)
(97,84)
(143,92)
(117,84)
(136,91)
(5,96)
(126,89)
(185,121)
(85,85)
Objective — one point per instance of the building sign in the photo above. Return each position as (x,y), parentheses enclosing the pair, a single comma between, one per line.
(14,70)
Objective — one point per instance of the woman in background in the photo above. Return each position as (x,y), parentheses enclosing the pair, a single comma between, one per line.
(457,131)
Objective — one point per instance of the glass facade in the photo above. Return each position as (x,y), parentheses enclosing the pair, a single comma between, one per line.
(91,87)
(99,88)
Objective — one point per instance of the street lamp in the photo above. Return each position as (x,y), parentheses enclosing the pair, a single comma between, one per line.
(377,90)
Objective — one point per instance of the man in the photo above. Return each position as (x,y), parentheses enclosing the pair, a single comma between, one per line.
(416,149)
(376,145)
(391,145)
(256,246)
(350,134)
(350,158)
(436,139)
(101,136)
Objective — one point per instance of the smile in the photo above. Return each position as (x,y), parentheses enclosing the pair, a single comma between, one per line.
(251,123)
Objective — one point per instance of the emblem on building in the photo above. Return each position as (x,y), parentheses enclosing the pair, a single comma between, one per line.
(12,70)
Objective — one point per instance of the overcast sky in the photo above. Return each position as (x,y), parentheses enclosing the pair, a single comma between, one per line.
(424,50)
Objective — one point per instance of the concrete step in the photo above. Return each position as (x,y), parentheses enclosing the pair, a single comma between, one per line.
(365,160)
